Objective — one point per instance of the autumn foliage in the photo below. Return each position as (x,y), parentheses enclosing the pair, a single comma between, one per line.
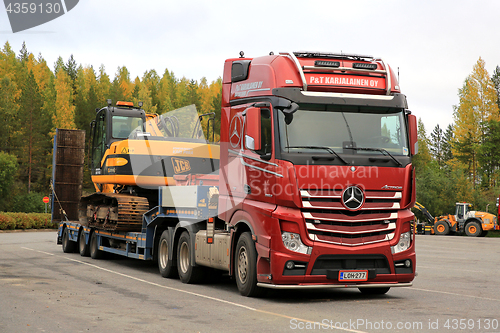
(35,99)
(462,163)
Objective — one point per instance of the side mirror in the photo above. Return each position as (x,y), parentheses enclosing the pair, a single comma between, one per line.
(412,127)
(253,129)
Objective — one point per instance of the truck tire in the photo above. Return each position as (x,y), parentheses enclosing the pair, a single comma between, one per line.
(95,253)
(473,229)
(187,272)
(374,291)
(83,247)
(68,246)
(245,266)
(166,266)
(442,228)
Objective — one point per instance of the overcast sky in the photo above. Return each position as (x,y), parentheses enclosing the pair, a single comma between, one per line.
(435,44)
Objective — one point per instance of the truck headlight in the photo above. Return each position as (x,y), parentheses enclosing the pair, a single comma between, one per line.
(404,243)
(293,242)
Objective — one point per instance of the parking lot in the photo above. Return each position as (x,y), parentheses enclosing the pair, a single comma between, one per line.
(45,290)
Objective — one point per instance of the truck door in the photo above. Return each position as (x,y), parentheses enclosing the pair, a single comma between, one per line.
(258,156)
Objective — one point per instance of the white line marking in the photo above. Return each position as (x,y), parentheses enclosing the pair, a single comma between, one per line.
(322,325)
(454,294)
(457,269)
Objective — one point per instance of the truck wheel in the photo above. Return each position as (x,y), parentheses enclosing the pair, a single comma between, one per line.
(473,229)
(245,266)
(187,272)
(83,247)
(166,266)
(374,291)
(95,253)
(68,246)
(441,228)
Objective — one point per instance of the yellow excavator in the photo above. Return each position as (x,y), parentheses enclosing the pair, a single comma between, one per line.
(132,153)
(473,223)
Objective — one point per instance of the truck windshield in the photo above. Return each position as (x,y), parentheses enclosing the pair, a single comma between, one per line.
(343,129)
(124,126)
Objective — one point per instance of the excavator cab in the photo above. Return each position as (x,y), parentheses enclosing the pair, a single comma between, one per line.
(113,123)
(461,210)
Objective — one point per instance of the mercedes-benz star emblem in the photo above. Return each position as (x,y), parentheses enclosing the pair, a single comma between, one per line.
(235,130)
(353,197)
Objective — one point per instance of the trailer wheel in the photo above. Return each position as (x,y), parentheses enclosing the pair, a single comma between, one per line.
(83,247)
(442,228)
(68,246)
(95,253)
(473,229)
(374,291)
(187,272)
(166,266)
(245,265)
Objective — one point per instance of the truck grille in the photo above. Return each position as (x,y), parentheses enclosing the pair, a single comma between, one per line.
(327,220)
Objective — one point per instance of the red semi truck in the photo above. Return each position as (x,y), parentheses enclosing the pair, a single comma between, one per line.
(314,189)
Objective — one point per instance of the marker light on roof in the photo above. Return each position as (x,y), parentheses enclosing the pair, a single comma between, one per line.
(364,65)
(323,63)
(121,103)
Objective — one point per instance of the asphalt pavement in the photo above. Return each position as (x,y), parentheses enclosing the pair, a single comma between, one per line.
(43,289)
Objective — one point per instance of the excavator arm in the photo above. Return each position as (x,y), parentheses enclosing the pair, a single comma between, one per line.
(424,211)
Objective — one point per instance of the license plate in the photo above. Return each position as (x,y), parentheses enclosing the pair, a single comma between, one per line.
(353,275)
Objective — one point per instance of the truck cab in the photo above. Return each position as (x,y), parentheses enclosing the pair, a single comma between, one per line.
(316,155)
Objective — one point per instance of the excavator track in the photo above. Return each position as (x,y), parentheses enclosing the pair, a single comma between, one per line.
(113,211)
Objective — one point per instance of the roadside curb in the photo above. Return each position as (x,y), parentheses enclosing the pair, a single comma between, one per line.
(27,230)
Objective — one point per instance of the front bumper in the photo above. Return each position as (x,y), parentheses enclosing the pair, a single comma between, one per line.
(322,267)
(328,286)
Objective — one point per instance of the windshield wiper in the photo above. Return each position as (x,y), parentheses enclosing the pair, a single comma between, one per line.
(383,151)
(330,150)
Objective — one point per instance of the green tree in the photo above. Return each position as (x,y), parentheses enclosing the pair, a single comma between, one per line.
(8,170)
(64,116)
(59,65)
(23,53)
(33,134)
(152,81)
(193,97)
(448,138)
(478,105)
(71,68)
(122,88)
(436,145)
(423,158)
(144,96)
(489,155)
(103,89)
(8,110)
(167,92)
(86,98)
(216,108)
(496,83)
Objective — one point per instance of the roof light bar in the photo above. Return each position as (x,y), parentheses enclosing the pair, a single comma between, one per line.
(323,63)
(121,103)
(364,65)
